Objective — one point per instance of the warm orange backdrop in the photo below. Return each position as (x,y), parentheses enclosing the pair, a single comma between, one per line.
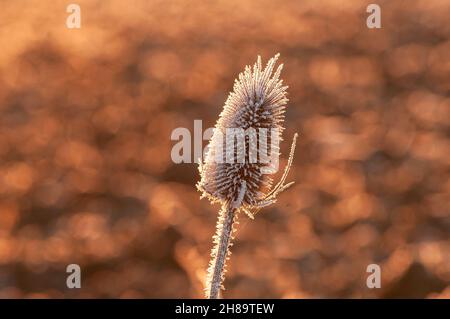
(85,169)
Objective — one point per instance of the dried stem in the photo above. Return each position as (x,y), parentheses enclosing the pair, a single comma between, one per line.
(221,250)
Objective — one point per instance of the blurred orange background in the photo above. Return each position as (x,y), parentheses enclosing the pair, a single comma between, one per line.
(86,175)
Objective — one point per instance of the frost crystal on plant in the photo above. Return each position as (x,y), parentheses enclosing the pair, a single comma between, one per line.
(236,175)
(256,106)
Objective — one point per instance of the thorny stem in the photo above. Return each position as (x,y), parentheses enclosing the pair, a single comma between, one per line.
(221,250)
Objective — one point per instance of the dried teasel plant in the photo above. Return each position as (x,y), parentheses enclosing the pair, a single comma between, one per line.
(257,102)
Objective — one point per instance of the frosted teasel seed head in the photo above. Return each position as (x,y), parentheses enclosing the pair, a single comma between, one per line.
(256,109)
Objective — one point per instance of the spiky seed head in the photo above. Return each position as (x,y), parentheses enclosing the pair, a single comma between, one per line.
(257,102)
